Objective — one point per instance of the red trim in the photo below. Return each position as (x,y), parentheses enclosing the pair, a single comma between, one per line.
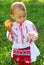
(34,28)
(22,36)
(18,52)
(13,34)
(26,29)
(30,41)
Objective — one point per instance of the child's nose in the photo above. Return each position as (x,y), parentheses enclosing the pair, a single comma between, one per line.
(22,18)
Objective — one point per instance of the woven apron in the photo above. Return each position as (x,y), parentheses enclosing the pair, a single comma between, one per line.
(22,54)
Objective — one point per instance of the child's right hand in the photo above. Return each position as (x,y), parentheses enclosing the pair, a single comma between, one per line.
(8,24)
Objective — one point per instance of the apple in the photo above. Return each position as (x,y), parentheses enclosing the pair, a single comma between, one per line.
(8,23)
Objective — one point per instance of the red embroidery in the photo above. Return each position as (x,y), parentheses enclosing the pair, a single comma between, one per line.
(28,52)
(11,36)
(16,36)
(17,40)
(20,27)
(27,32)
(34,28)
(30,41)
(16,51)
(26,29)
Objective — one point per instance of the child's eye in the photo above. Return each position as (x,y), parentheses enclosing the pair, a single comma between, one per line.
(24,16)
(19,17)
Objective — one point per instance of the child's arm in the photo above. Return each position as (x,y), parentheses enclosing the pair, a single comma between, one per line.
(10,36)
(8,25)
(32,33)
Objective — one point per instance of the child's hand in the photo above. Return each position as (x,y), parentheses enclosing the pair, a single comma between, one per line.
(31,36)
(8,24)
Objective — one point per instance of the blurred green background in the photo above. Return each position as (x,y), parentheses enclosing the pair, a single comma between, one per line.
(35,13)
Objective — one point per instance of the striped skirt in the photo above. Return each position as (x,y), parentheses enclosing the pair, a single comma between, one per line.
(22,54)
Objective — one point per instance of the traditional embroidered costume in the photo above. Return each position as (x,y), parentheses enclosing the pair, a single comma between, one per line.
(23,49)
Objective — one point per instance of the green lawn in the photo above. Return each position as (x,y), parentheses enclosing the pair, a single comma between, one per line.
(35,13)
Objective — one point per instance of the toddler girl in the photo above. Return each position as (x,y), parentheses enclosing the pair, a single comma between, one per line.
(23,34)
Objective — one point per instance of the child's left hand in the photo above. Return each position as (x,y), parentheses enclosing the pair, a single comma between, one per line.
(31,36)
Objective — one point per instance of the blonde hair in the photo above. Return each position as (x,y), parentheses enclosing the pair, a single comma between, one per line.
(19,5)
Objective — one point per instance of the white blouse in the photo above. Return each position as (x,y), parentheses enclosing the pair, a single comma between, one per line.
(20,38)
(20,34)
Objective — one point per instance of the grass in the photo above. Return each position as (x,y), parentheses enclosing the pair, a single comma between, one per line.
(35,13)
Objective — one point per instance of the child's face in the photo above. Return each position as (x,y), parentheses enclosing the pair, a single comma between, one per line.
(19,16)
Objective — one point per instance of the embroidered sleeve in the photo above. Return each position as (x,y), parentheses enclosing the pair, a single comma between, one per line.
(13,35)
(32,30)
(10,36)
